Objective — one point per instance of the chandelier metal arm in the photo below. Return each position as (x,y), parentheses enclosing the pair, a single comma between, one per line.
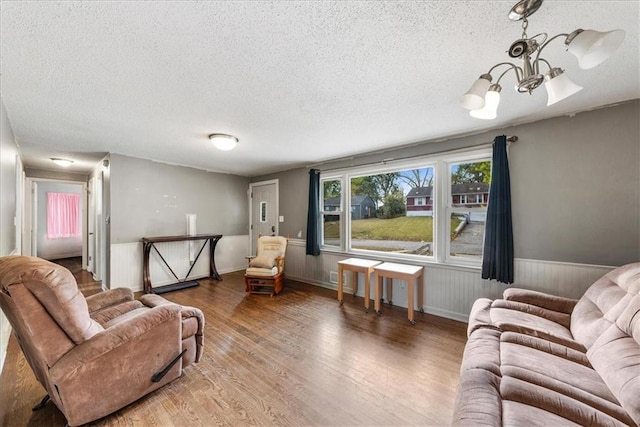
(542,60)
(515,68)
(546,43)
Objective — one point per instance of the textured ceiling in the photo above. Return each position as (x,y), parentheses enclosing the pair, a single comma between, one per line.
(296,82)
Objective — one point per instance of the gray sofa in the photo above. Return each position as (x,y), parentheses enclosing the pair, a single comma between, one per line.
(537,359)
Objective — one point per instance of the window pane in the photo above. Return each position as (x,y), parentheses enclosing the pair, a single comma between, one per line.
(331,202)
(393,212)
(331,230)
(467,234)
(470,184)
(332,195)
(469,197)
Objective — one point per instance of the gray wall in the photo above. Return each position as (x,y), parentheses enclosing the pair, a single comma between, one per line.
(152,199)
(293,187)
(8,151)
(56,248)
(575,185)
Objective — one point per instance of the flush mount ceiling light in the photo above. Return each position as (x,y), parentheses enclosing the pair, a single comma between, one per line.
(223,141)
(61,162)
(590,47)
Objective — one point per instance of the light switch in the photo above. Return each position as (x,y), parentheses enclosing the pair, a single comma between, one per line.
(281,218)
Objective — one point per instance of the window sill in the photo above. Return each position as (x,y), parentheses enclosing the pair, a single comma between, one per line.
(449,264)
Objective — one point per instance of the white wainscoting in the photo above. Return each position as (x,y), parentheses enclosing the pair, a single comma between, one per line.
(126,261)
(450,291)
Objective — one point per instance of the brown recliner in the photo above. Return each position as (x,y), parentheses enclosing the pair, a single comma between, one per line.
(98,354)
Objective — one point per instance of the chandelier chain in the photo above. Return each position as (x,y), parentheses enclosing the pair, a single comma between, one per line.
(525,24)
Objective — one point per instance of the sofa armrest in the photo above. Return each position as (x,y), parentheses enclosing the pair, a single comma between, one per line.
(108,298)
(540,299)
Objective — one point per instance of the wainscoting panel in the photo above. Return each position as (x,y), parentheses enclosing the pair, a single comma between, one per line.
(450,291)
(126,261)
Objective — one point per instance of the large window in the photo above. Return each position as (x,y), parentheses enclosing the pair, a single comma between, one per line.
(387,214)
(431,208)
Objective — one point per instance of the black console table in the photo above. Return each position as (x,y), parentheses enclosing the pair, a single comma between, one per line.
(148,243)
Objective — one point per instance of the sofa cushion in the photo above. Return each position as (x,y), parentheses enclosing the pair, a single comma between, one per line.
(530,321)
(520,414)
(556,403)
(263,261)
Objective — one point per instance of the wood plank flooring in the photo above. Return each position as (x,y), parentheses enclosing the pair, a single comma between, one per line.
(296,359)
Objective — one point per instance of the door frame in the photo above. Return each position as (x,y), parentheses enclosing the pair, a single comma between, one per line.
(249,193)
(30,215)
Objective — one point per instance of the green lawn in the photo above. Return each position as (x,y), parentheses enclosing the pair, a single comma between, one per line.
(406,228)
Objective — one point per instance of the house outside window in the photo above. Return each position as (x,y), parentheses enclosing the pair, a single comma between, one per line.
(430,208)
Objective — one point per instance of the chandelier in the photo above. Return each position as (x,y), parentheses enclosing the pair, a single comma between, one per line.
(590,47)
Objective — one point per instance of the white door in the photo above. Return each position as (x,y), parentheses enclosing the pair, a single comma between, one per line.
(34,218)
(91,219)
(99,260)
(264,210)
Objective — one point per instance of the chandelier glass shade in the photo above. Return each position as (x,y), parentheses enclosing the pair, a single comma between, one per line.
(590,47)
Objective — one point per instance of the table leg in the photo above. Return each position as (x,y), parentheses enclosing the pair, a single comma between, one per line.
(420,294)
(146,276)
(354,280)
(213,271)
(340,284)
(410,285)
(378,285)
(367,289)
(390,290)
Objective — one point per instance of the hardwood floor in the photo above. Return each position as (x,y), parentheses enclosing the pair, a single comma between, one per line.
(296,359)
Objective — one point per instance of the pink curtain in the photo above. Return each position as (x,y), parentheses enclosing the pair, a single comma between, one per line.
(63,215)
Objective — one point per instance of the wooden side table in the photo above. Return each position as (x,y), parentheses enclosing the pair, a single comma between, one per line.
(356,265)
(412,274)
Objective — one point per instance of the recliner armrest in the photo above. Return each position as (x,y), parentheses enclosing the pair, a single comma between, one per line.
(117,365)
(108,298)
(134,330)
(540,299)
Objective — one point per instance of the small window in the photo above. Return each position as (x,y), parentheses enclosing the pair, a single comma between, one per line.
(263,211)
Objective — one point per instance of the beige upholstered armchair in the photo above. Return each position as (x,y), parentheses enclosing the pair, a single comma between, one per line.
(265,274)
(98,354)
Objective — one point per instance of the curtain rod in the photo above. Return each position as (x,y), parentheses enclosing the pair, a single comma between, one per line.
(510,139)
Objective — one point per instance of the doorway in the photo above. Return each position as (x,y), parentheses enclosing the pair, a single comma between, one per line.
(263,210)
(38,239)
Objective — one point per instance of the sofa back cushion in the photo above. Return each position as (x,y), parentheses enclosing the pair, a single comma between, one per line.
(604,302)
(55,288)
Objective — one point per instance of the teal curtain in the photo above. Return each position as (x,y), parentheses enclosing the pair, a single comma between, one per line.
(313,223)
(497,257)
